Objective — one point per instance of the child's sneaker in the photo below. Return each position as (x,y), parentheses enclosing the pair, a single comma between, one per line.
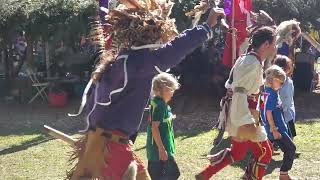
(297,154)
(275,153)
(285,176)
(275,149)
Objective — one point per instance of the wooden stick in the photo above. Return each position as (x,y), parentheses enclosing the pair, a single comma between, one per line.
(234,36)
(59,135)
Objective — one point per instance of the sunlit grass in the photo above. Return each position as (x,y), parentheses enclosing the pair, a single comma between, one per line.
(36,156)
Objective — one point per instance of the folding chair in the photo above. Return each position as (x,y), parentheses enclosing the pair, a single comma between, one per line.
(41,87)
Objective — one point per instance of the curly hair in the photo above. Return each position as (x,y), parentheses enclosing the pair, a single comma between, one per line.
(275,72)
(162,81)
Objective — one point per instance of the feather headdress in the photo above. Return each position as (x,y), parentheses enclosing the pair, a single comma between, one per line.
(132,23)
(137,23)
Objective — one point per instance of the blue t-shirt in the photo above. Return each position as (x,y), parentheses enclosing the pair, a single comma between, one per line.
(270,100)
(284,50)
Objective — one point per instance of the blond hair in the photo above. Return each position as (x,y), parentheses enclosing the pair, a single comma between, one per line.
(274,72)
(164,80)
(287,31)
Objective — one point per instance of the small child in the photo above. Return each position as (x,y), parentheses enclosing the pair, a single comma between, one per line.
(160,137)
(271,115)
(287,93)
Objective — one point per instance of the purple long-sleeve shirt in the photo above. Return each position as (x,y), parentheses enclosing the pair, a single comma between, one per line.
(118,101)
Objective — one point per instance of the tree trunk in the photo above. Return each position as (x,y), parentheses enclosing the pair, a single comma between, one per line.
(10,61)
(46,49)
(4,55)
(29,54)
(6,63)
(6,69)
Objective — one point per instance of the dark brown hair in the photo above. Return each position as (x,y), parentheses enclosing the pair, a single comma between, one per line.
(261,35)
(282,61)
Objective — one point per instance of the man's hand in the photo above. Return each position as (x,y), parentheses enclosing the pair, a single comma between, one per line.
(96,76)
(229,92)
(213,16)
(276,134)
(163,156)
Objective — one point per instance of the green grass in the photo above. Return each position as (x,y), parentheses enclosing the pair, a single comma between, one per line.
(35,156)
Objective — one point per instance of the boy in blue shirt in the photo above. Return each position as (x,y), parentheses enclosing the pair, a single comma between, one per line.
(272,117)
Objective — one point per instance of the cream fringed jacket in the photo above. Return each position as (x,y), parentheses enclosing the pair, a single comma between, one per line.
(247,79)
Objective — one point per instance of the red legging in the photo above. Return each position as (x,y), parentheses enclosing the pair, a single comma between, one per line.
(261,151)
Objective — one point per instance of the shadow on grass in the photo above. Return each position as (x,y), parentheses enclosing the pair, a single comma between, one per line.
(17,119)
(21,131)
(191,133)
(25,145)
(308,122)
(184,133)
(140,148)
(37,128)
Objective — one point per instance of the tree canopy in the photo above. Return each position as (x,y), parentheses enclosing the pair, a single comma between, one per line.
(306,11)
(43,17)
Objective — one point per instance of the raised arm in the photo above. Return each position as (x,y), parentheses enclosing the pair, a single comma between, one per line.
(174,52)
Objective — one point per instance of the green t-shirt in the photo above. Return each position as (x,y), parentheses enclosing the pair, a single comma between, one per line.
(160,111)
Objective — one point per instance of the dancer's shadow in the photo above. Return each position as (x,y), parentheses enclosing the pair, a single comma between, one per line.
(140,148)
(274,164)
(25,145)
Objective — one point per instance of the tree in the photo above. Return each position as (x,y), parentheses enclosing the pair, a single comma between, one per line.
(306,11)
(42,19)
(178,12)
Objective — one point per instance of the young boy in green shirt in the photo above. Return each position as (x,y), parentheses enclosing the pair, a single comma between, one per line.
(160,136)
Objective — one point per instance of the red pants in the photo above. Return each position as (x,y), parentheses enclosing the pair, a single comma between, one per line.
(261,151)
(118,159)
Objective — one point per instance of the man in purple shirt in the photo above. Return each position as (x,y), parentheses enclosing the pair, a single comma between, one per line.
(119,94)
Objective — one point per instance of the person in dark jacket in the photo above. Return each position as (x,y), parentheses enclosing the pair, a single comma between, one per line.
(121,84)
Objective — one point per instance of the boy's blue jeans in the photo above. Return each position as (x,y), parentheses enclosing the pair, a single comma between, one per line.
(163,170)
(289,149)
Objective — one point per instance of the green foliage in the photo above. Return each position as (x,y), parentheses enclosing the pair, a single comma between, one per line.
(43,17)
(178,12)
(306,11)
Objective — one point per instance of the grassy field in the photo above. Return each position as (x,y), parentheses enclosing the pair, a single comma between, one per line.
(26,153)
(36,156)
